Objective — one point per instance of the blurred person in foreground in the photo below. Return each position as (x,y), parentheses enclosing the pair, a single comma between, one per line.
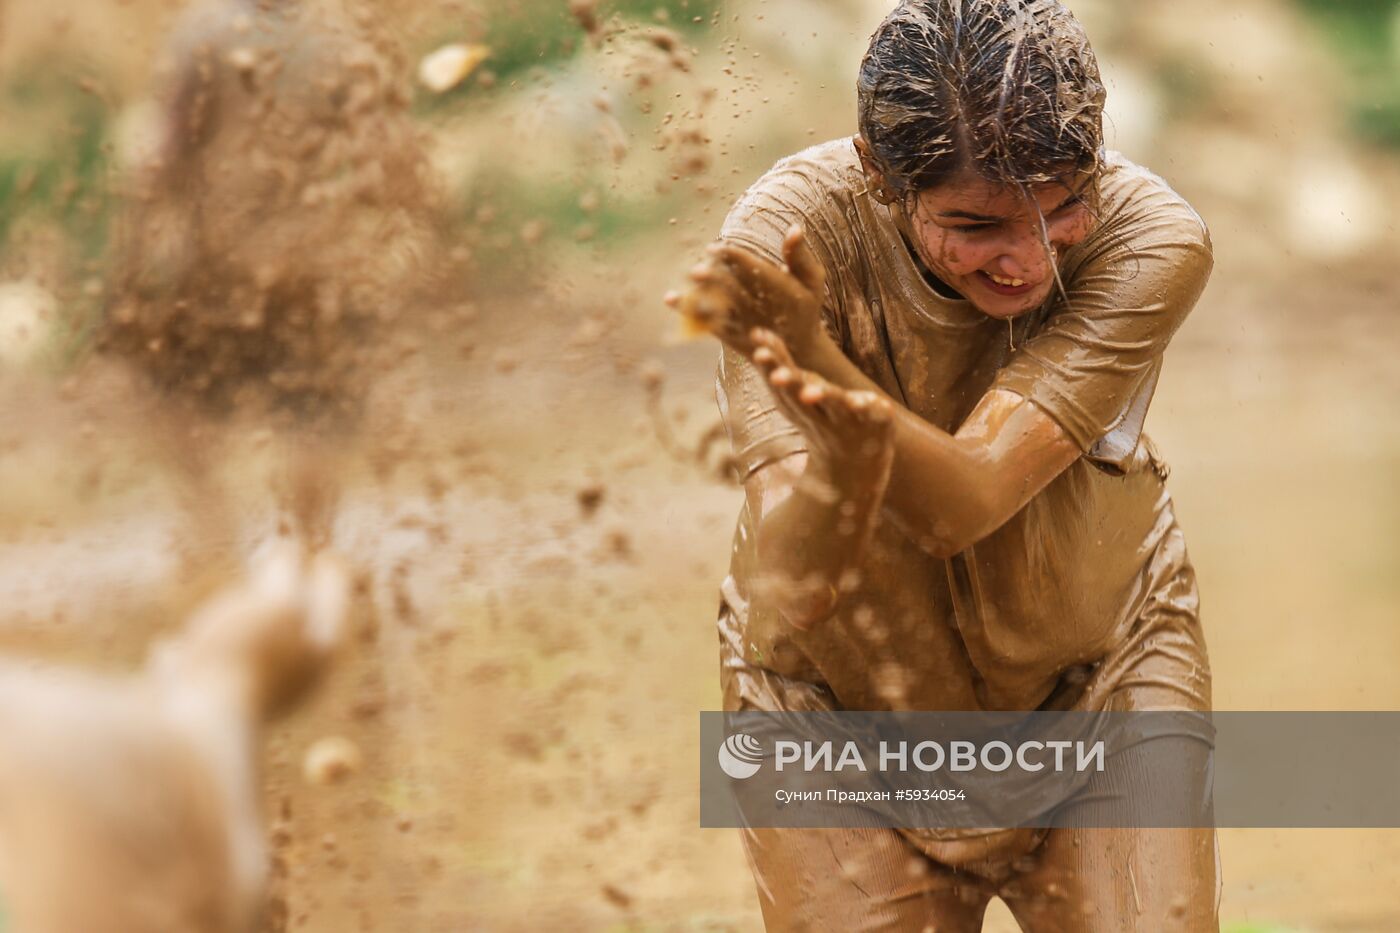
(132,805)
(941,338)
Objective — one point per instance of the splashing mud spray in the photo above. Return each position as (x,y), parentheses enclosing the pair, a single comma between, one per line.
(285,268)
(273,263)
(284,233)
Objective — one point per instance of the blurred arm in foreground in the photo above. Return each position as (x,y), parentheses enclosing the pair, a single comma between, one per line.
(132,805)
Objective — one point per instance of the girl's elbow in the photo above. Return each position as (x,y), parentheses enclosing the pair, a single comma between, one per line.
(808,611)
(948,547)
(949,538)
(943,548)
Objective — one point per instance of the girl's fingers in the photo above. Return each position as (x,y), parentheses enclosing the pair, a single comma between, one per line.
(710,273)
(723,295)
(839,406)
(857,410)
(713,275)
(802,261)
(763,337)
(771,354)
(760,277)
(867,406)
(836,406)
(807,398)
(767,338)
(874,408)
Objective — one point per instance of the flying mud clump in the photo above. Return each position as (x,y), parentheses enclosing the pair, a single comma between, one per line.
(287,224)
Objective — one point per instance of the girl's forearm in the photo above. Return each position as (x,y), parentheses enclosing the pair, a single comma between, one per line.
(810,543)
(944,493)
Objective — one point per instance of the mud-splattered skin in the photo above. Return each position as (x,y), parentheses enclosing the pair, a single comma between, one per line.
(1025,553)
(972,230)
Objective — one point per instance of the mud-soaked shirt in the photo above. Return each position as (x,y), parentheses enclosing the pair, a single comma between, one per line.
(1061,583)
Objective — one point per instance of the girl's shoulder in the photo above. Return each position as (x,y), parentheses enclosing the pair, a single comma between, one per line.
(1138,204)
(831,166)
(814,187)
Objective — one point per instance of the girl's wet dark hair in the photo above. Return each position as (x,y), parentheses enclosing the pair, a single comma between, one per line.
(1009,89)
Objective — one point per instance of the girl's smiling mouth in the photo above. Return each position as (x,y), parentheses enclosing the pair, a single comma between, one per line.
(1002,285)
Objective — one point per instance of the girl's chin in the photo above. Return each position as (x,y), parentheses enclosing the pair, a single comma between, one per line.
(1005,307)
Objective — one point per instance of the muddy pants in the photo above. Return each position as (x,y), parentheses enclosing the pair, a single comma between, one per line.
(1055,881)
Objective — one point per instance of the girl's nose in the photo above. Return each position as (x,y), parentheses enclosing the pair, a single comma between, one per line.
(1028,257)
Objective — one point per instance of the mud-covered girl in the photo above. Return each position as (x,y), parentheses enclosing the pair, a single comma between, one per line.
(942,336)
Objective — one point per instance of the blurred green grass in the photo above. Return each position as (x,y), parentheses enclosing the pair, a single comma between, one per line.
(63,176)
(515,202)
(55,176)
(527,34)
(55,172)
(1365,35)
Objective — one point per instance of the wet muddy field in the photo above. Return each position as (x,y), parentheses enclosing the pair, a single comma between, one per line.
(449,361)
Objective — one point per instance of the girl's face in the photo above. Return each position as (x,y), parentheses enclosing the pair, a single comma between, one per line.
(987,241)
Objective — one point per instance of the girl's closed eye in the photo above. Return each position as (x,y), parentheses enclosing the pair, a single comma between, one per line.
(1071,206)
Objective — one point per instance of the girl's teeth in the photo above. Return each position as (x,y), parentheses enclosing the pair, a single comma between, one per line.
(1010,283)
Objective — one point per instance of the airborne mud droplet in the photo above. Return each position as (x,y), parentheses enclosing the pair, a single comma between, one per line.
(450,65)
(331,760)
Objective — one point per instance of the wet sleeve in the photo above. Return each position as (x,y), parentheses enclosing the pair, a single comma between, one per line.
(759,432)
(1093,366)
(800,189)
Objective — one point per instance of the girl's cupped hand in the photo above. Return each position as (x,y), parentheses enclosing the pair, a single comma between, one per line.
(734,292)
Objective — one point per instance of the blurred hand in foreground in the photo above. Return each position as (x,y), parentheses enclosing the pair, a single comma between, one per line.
(132,805)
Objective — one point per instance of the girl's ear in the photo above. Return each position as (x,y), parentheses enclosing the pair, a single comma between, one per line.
(874,176)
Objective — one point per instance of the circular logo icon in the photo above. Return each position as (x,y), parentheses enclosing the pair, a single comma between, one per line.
(740,756)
